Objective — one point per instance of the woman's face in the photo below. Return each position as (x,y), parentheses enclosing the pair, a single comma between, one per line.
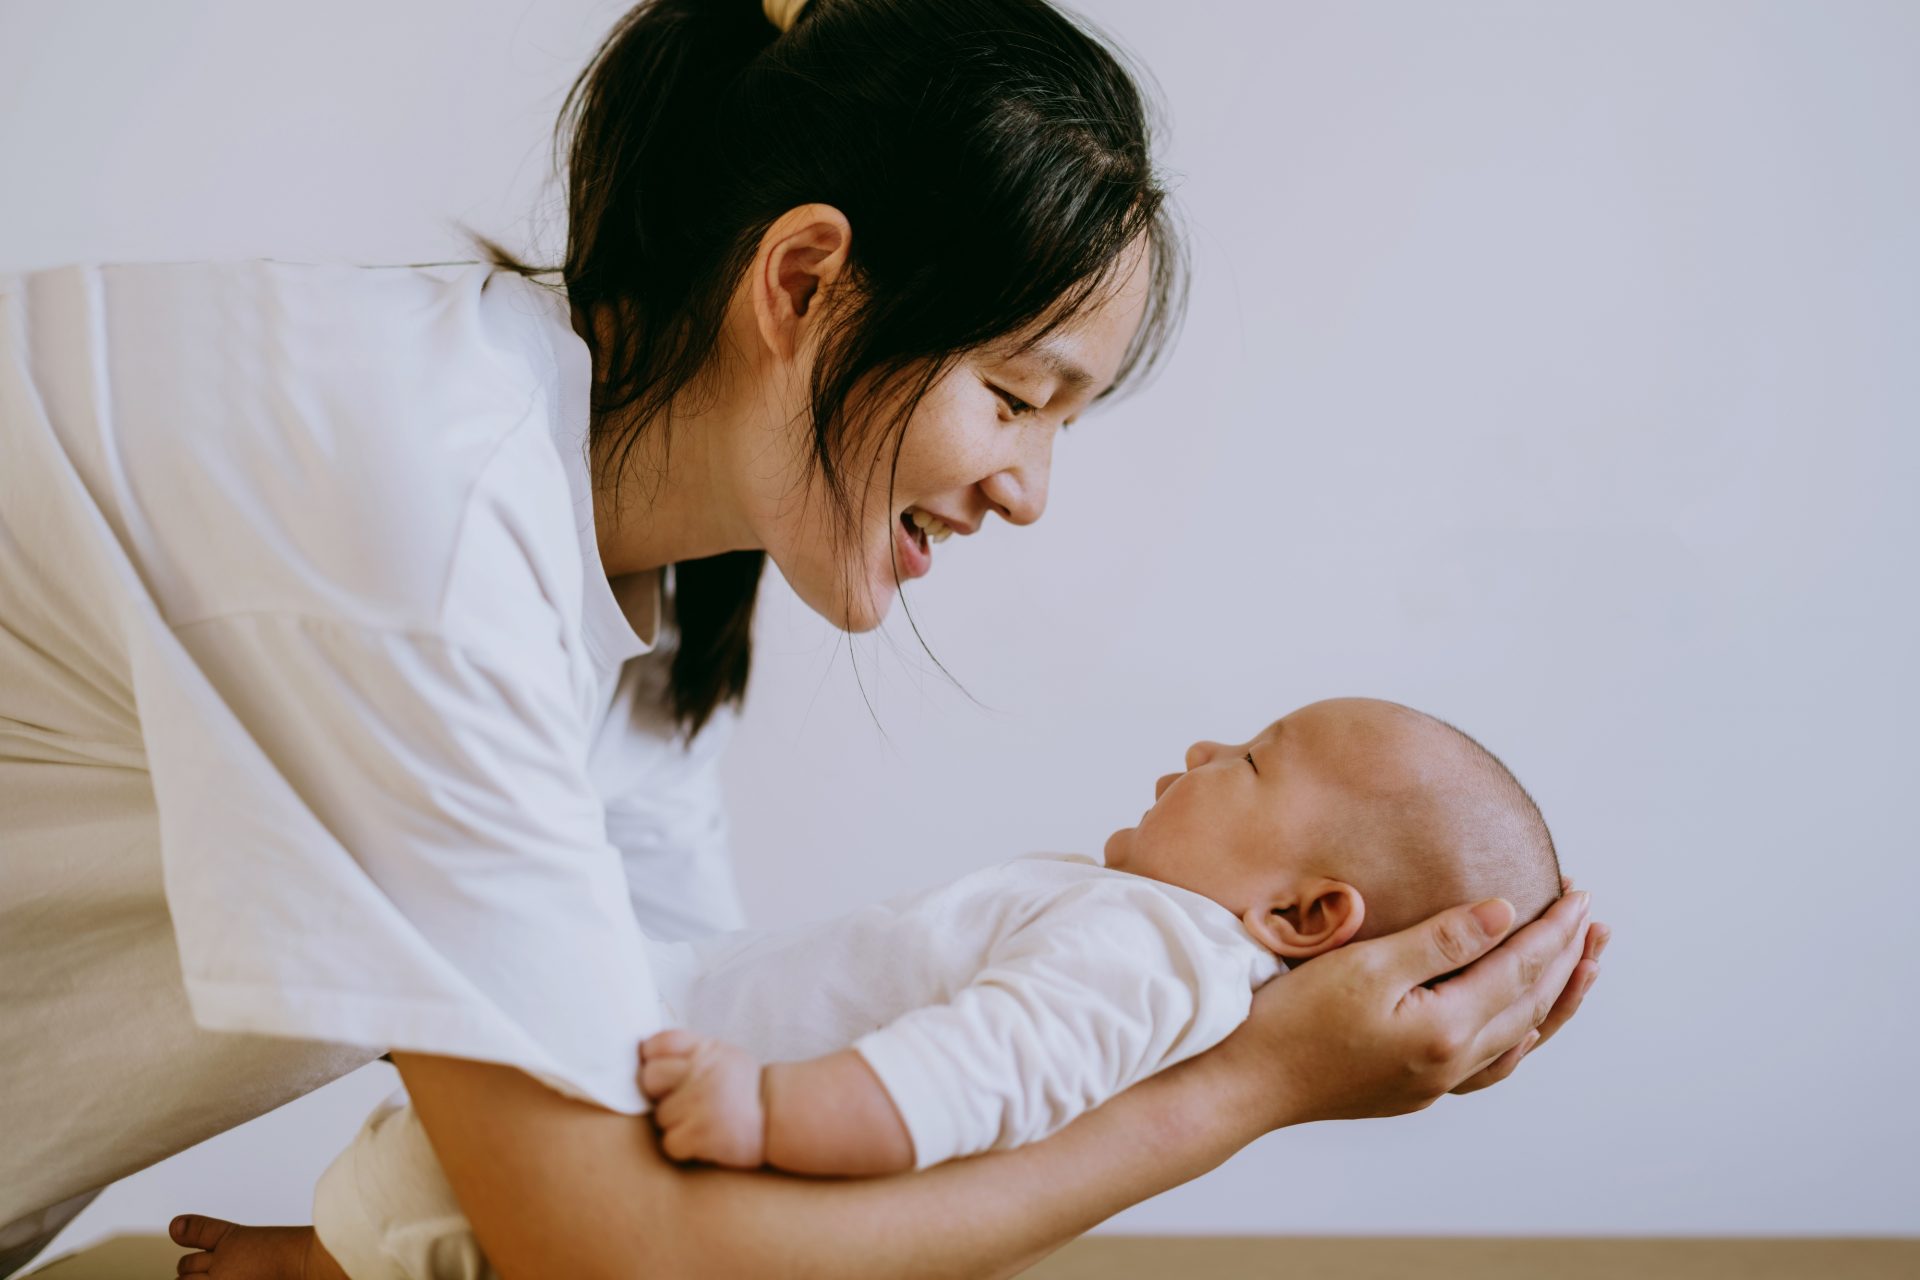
(980,443)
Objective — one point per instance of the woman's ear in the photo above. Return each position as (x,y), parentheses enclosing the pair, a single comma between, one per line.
(1306,919)
(803,253)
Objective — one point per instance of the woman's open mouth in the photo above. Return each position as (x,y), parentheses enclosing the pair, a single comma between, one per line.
(912,550)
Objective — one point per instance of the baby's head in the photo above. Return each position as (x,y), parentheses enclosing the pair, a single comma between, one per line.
(1346,819)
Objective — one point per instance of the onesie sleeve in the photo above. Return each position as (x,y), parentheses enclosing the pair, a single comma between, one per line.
(384,838)
(1073,1007)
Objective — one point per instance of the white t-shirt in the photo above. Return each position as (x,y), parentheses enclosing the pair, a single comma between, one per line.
(322,730)
(994,1009)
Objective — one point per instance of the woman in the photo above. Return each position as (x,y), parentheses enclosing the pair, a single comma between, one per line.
(365,636)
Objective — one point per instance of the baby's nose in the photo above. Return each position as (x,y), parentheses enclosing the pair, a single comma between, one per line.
(1201,752)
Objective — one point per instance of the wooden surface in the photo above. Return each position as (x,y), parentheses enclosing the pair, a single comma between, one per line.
(1322,1258)
(1477,1258)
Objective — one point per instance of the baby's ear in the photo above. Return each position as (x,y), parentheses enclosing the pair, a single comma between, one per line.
(1306,919)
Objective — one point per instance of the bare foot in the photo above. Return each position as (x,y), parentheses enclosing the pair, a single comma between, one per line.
(233,1252)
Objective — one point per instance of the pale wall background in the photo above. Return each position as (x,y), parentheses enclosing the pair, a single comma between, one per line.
(1551,367)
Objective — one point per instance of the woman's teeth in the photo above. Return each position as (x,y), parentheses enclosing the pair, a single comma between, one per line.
(936,529)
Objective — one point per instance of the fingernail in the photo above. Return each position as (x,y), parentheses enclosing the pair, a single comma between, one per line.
(1493,916)
(1600,947)
(1585,899)
(1586,983)
(1533,1038)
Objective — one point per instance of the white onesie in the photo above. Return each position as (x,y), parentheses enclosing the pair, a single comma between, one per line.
(994,1009)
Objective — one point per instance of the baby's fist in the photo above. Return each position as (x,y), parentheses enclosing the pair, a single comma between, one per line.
(706,1096)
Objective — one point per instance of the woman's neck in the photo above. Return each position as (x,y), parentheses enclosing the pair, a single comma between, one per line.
(675,498)
(670,492)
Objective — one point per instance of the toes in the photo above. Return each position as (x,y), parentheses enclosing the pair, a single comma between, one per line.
(194,1264)
(195,1231)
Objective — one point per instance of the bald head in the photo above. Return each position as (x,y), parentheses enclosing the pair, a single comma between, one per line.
(1427,818)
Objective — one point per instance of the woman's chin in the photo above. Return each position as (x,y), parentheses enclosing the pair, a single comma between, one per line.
(861,616)
(1114,853)
(854,612)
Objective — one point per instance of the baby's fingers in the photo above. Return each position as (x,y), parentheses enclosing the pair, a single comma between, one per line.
(676,1042)
(659,1076)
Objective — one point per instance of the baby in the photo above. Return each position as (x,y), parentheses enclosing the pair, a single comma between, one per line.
(1010,1001)
(991,1011)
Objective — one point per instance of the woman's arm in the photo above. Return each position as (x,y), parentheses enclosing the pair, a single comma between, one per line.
(558,1187)
(555,1187)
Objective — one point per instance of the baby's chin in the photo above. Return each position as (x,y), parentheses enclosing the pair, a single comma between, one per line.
(1115,851)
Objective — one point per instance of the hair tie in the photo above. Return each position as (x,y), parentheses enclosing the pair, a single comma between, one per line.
(781,13)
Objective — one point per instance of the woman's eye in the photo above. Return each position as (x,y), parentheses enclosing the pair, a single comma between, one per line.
(1014,402)
(1249,760)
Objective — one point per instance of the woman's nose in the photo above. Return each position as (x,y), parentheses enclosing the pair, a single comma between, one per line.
(1019,492)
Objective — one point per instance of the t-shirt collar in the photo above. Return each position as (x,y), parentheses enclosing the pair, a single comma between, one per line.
(621,619)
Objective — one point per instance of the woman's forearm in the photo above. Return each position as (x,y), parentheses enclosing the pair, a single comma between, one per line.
(831,1115)
(557,1187)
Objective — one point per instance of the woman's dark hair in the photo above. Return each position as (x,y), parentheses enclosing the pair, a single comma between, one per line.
(991,156)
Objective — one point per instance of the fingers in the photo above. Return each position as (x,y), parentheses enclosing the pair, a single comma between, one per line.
(676,1041)
(659,1076)
(1500,1068)
(194,1231)
(1443,943)
(1579,982)
(1546,950)
(665,1059)
(1531,1006)
(671,1111)
(679,1145)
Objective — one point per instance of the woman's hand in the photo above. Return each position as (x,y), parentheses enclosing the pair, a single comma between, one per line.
(1358,1033)
(1581,981)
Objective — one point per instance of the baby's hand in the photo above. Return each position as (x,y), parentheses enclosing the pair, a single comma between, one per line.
(706,1099)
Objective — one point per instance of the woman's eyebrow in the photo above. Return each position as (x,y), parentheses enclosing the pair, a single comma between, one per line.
(1062,366)
(1071,375)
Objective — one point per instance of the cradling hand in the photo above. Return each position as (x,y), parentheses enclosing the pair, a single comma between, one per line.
(1357,1032)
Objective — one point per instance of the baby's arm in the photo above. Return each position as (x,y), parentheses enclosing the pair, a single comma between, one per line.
(1097,992)
(826,1115)
(1082,1000)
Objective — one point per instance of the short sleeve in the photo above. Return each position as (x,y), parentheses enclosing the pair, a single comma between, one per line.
(382,838)
(1073,1007)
